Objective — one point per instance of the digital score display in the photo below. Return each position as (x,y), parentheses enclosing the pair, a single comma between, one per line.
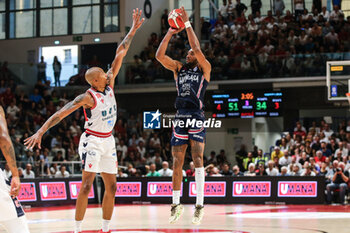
(247,104)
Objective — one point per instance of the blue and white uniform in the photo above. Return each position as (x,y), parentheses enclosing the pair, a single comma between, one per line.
(12,216)
(97,145)
(191,86)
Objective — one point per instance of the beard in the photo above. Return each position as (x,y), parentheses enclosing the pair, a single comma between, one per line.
(191,64)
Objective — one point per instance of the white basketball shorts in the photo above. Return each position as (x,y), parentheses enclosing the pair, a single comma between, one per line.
(98,154)
(10,208)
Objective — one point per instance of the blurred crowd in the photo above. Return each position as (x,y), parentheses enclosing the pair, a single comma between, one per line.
(238,45)
(319,150)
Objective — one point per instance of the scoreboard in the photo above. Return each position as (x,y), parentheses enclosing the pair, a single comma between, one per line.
(247,104)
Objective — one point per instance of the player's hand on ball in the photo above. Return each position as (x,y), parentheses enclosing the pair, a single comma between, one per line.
(15,186)
(136,19)
(32,141)
(184,15)
(174,30)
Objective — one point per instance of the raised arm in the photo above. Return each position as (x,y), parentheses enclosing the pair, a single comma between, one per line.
(165,60)
(124,46)
(195,46)
(9,153)
(83,100)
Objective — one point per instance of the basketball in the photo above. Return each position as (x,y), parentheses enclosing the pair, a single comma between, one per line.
(175,20)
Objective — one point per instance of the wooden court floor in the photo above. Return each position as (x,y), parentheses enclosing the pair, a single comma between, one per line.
(218,218)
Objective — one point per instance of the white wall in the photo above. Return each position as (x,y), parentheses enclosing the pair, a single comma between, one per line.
(15,51)
(150,25)
(265,132)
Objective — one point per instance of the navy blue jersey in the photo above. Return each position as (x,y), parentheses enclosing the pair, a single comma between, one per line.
(191,86)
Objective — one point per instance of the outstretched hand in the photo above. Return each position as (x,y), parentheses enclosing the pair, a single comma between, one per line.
(32,141)
(136,19)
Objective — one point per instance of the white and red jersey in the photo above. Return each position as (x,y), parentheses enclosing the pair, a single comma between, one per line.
(101,118)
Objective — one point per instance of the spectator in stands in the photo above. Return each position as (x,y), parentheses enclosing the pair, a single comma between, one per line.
(336,13)
(339,181)
(286,159)
(325,151)
(58,157)
(214,171)
(296,170)
(236,171)
(62,173)
(191,171)
(284,171)
(122,148)
(271,170)
(256,6)
(323,170)
(276,153)
(251,170)
(342,148)
(223,9)
(298,8)
(41,66)
(231,9)
(261,158)
(152,171)
(165,171)
(261,170)
(221,158)
(250,159)
(308,170)
(226,171)
(299,129)
(154,142)
(164,20)
(13,110)
(57,67)
(320,158)
(28,173)
(53,169)
(338,156)
(240,155)
(141,149)
(121,173)
(327,130)
(212,158)
(278,7)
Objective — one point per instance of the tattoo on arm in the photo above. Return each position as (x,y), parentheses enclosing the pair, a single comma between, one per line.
(11,160)
(54,121)
(127,41)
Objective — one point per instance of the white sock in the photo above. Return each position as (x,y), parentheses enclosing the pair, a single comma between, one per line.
(105,225)
(176,197)
(199,177)
(78,226)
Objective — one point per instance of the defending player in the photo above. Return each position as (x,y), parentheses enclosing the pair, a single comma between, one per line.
(97,145)
(191,81)
(11,212)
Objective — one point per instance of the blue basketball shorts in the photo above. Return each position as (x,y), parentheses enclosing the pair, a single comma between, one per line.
(185,127)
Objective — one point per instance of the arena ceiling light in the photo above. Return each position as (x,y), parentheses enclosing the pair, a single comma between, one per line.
(57,42)
(97,40)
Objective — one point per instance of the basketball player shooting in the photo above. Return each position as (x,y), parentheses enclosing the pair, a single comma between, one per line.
(191,81)
(97,146)
(11,213)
